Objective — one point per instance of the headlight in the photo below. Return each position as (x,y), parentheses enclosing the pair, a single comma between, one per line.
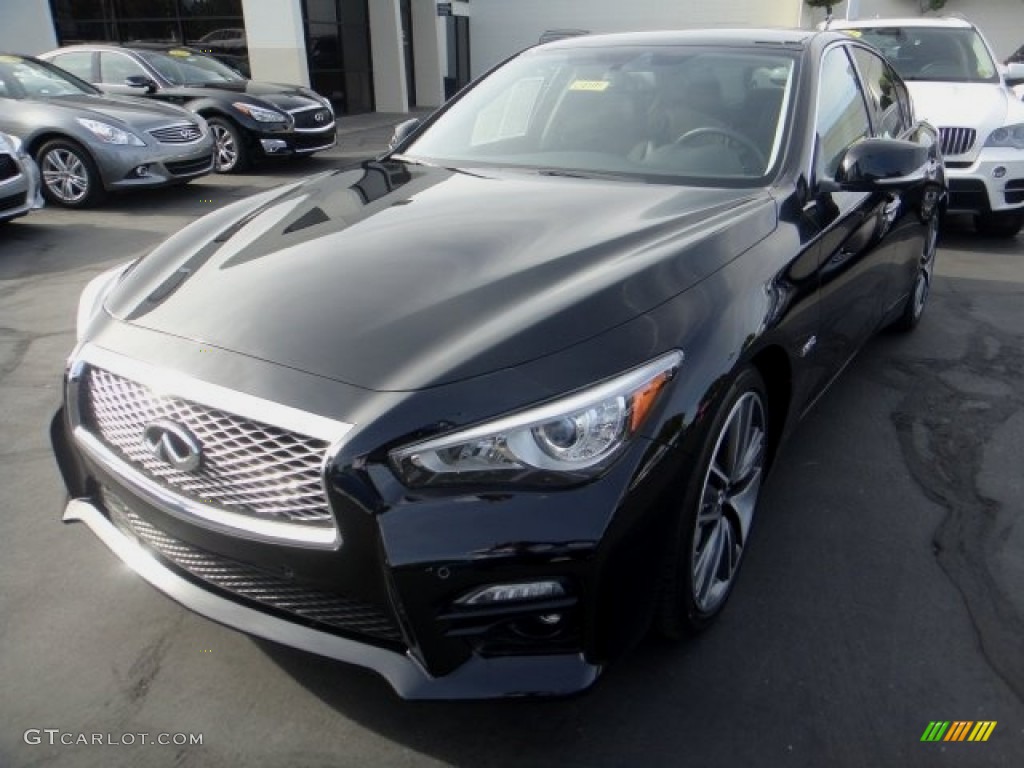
(1007,136)
(565,441)
(259,114)
(110,134)
(93,296)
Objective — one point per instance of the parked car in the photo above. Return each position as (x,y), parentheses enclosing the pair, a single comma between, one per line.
(957,85)
(249,119)
(19,180)
(87,144)
(480,413)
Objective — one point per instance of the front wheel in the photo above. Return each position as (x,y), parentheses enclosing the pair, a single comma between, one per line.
(70,177)
(1004,224)
(714,520)
(229,151)
(913,309)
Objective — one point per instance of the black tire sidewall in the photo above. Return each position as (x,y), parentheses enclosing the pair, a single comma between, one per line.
(678,614)
(95,192)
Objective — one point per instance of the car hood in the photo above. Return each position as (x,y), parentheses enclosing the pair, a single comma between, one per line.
(983,106)
(398,277)
(284,97)
(136,113)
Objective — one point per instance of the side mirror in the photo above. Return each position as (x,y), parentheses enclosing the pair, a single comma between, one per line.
(879,164)
(140,81)
(403,131)
(1014,74)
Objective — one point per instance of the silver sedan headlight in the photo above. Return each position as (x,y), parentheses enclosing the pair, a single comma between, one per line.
(1008,136)
(568,440)
(110,134)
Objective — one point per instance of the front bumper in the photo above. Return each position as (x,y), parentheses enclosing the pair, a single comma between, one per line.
(164,164)
(385,595)
(20,194)
(297,142)
(477,678)
(991,183)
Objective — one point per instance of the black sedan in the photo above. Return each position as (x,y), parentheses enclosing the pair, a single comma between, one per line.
(249,119)
(482,413)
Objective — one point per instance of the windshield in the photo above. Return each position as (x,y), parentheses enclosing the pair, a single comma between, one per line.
(181,67)
(933,53)
(27,79)
(709,115)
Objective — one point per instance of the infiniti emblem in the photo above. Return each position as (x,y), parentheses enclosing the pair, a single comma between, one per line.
(172,444)
(320,116)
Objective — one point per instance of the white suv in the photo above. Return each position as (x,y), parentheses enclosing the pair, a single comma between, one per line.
(957,86)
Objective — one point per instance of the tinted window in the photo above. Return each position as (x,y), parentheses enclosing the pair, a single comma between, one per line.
(78,63)
(880,83)
(842,116)
(933,53)
(116,67)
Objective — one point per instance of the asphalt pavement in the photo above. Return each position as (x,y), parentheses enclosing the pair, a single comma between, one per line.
(884,589)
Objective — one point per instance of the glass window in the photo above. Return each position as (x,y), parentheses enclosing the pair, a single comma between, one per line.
(183,67)
(880,83)
(35,80)
(78,63)
(115,68)
(842,115)
(146,9)
(934,53)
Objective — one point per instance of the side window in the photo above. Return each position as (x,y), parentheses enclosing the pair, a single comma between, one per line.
(842,116)
(115,67)
(905,103)
(78,63)
(881,91)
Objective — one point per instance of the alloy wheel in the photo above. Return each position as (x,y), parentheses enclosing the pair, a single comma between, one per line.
(924,277)
(225,148)
(727,502)
(65,175)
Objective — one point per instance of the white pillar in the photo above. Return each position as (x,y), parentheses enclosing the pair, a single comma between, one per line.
(276,41)
(389,92)
(26,27)
(428,50)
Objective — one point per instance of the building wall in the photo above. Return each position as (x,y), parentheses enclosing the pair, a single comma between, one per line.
(26,26)
(499,28)
(277,47)
(1001,21)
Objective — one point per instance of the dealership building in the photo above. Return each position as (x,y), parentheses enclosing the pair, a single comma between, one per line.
(390,55)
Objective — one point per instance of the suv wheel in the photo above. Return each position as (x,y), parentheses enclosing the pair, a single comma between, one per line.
(999,224)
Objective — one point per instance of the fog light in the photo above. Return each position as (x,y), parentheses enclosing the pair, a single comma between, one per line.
(274,146)
(998,172)
(549,618)
(505,593)
(141,171)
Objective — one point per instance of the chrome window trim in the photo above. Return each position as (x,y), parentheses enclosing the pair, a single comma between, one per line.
(173,383)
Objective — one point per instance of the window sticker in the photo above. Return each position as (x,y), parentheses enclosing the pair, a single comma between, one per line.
(589,85)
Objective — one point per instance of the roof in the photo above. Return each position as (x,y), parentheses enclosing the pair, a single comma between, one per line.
(726,37)
(945,21)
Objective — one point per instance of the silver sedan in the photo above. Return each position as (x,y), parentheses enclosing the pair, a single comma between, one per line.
(87,144)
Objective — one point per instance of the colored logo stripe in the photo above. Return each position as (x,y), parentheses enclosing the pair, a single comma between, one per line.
(958,730)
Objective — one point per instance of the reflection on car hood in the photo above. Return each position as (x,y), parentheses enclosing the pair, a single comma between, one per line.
(283,96)
(398,277)
(137,113)
(983,106)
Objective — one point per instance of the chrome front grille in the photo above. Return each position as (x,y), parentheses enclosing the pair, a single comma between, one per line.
(248,467)
(312,119)
(181,133)
(957,141)
(344,613)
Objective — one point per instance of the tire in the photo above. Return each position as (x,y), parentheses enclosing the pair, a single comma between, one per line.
(712,525)
(999,224)
(69,174)
(914,307)
(230,155)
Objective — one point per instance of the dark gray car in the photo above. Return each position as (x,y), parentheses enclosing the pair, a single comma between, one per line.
(87,143)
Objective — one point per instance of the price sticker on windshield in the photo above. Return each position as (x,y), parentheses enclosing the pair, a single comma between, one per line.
(589,85)
(10,59)
(180,54)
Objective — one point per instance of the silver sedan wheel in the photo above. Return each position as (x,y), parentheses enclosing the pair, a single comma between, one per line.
(727,502)
(65,175)
(226,151)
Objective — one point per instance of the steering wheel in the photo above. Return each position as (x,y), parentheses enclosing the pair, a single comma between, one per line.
(731,137)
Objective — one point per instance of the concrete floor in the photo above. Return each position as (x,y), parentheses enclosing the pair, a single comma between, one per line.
(884,589)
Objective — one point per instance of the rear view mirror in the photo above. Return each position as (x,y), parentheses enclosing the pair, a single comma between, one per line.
(140,81)
(875,164)
(403,131)
(1014,74)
